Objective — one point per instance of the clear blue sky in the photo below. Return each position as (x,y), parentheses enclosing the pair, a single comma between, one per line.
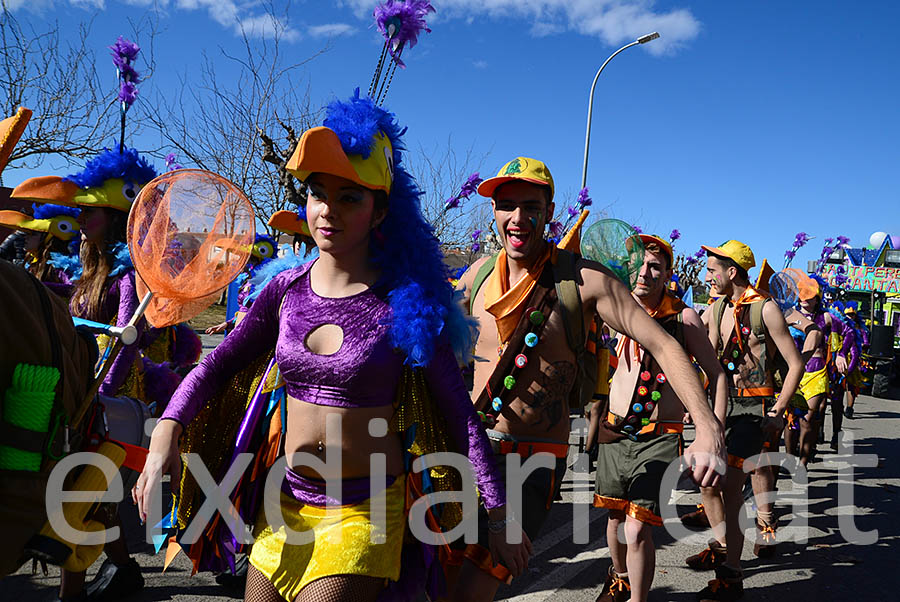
(747,120)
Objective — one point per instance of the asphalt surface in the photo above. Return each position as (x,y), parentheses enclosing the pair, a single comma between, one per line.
(823,568)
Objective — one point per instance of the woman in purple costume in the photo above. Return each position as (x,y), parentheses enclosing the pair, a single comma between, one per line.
(103,290)
(344,327)
(842,341)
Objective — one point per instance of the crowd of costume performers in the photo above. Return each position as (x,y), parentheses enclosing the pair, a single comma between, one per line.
(359,325)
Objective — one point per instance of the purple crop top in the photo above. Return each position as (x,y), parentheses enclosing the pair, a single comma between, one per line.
(365,371)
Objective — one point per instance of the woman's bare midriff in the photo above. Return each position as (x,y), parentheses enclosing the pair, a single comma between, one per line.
(351,444)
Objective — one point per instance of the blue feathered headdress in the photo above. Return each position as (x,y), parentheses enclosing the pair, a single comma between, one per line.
(127,165)
(413,274)
(48,211)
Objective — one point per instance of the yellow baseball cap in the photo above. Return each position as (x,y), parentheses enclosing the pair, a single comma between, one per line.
(520,168)
(734,250)
(320,150)
(665,246)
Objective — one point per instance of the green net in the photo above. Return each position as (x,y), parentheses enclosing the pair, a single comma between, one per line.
(617,246)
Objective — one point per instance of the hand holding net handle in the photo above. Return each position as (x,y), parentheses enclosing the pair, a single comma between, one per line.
(114,352)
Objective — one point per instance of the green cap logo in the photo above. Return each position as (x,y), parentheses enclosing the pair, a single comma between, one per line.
(514,167)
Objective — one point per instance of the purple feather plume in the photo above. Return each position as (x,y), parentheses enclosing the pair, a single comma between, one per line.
(401,23)
(674,235)
(187,346)
(583,199)
(466,190)
(124,53)
(160,381)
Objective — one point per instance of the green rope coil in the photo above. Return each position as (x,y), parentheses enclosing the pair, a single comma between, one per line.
(28,404)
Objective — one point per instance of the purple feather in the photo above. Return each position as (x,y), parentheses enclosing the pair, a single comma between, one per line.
(476,235)
(160,381)
(465,191)
(128,93)
(124,50)
(187,346)
(573,211)
(401,23)
(674,235)
(583,199)
(790,254)
(556,229)
(637,229)
(476,247)
(172,162)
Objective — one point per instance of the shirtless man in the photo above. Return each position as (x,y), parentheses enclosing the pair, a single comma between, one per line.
(752,409)
(630,469)
(531,402)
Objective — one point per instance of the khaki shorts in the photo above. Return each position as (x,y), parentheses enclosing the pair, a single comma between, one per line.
(744,436)
(630,472)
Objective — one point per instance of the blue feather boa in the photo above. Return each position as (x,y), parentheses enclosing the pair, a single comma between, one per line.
(70,263)
(266,272)
(127,165)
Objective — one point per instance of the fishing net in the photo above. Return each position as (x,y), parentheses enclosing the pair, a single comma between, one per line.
(190,233)
(807,288)
(617,246)
(784,289)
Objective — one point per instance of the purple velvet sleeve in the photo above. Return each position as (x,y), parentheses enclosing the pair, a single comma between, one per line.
(128,304)
(446,385)
(256,334)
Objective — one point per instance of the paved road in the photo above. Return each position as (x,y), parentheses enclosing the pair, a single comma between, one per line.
(825,568)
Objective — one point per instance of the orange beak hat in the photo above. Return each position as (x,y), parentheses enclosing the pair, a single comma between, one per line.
(11,129)
(111,179)
(348,146)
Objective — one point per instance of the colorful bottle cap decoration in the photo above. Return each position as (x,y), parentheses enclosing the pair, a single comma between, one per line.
(632,418)
(655,396)
(650,405)
(497,404)
(734,340)
(661,378)
(731,366)
(735,354)
(628,428)
(645,421)
(642,390)
(482,416)
(531,339)
(536,317)
(509,382)
(645,376)
(638,408)
(745,330)
(521,361)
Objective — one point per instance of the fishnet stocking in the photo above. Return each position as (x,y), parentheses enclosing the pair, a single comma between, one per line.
(259,588)
(342,588)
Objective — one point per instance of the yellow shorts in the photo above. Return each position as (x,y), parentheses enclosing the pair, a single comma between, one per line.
(341,542)
(814,383)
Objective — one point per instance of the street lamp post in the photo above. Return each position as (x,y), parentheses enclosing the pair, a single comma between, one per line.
(587,135)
